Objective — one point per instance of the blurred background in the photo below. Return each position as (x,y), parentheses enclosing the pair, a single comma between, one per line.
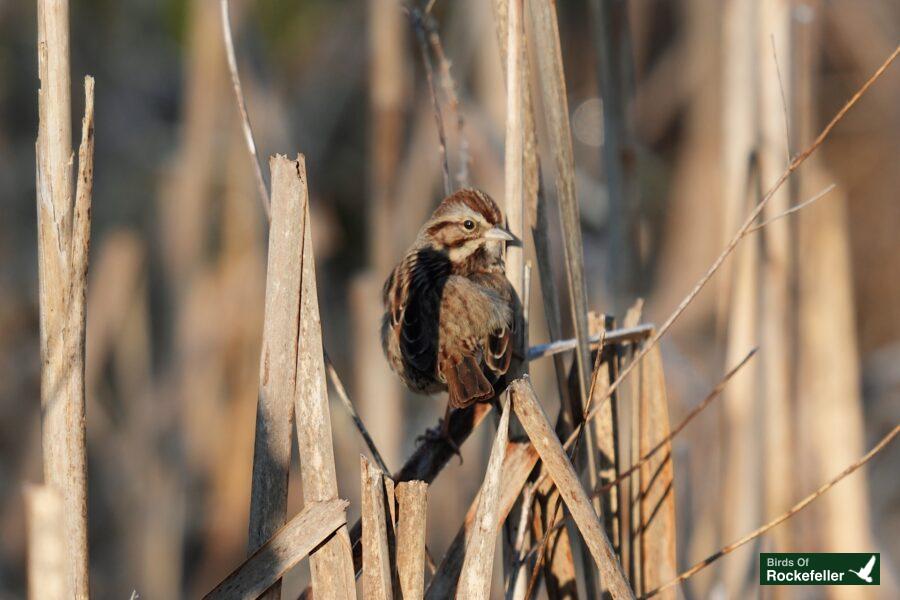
(706,102)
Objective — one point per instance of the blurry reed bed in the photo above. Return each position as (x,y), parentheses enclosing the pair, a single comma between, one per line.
(628,143)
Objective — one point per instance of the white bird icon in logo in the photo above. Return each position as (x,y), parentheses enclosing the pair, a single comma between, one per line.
(865,572)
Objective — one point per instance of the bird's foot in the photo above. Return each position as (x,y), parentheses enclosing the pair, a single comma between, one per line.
(441,433)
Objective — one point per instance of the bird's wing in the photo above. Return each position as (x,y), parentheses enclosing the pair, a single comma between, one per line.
(501,344)
(868,568)
(415,307)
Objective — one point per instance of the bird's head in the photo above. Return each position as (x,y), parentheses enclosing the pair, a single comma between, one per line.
(465,225)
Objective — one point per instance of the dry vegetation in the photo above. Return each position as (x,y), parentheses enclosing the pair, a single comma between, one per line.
(573,493)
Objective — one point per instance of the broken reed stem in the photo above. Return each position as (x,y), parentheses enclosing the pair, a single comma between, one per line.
(780,519)
(376,555)
(411,515)
(713,394)
(63,247)
(282,551)
(418,22)
(331,563)
(475,577)
(740,234)
(278,359)
(242,107)
(517,466)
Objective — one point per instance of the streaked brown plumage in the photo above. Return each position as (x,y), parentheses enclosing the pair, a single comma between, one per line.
(450,313)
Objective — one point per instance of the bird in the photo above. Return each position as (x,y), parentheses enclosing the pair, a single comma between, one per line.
(866,572)
(451,317)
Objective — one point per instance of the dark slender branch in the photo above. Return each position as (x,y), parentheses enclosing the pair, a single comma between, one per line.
(242,108)
(418,20)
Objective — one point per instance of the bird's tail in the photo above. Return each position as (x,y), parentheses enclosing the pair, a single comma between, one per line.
(466,383)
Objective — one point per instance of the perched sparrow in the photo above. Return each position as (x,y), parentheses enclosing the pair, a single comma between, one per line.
(450,313)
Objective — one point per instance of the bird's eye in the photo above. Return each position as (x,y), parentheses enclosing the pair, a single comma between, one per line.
(469,224)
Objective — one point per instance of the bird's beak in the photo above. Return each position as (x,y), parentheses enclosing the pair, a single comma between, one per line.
(498,234)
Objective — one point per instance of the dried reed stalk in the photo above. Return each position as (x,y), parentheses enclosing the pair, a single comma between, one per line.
(778,268)
(514,181)
(560,469)
(48,571)
(629,494)
(63,243)
(475,577)
(331,564)
(516,582)
(827,382)
(606,434)
(278,360)
(555,559)
(665,442)
(657,495)
(741,477)
(553,91)
(428,460)
(285,548)
(518,463)
(513,165)
(411,515)
(881,445)
(376,555)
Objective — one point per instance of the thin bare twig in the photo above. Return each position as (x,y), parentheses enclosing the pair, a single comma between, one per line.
(715,393)
(743,231)
(780,519)
(793,209)
(787,126)
(449,86)
(242,107)
(417,18)
(348,405)
(613,336)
